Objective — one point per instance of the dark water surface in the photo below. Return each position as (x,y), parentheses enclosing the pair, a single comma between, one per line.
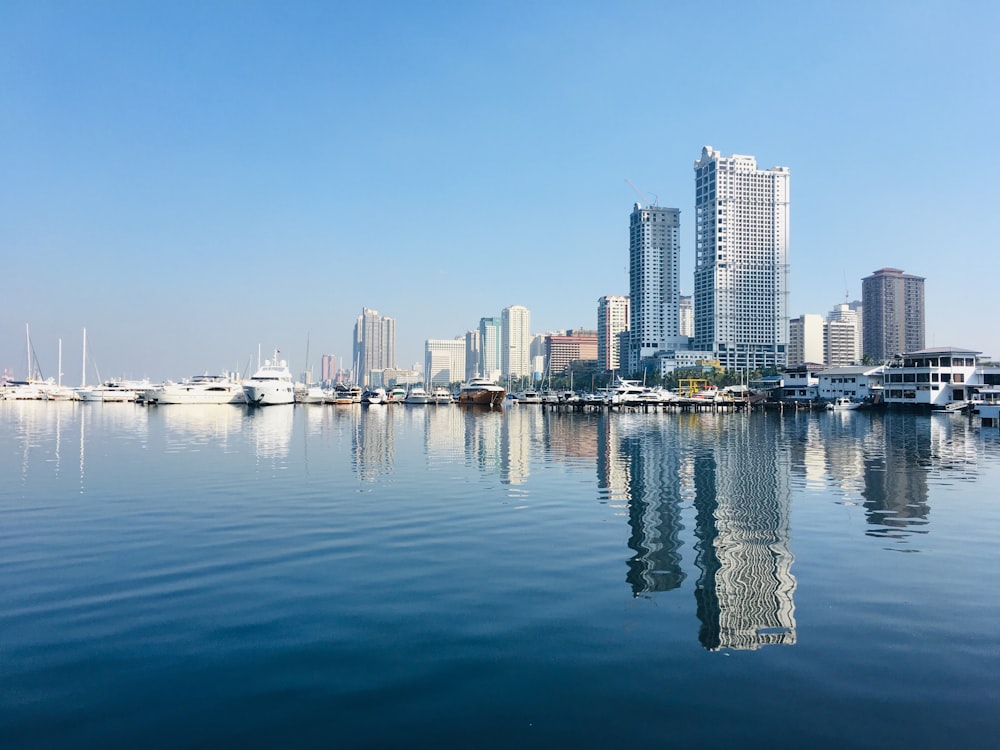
(319,576)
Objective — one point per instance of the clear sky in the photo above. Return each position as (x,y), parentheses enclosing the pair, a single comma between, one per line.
(192,180)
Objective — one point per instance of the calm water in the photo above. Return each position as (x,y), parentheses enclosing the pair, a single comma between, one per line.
(433,576)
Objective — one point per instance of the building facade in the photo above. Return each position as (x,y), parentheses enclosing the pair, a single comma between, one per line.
(374,344)
(654,282)
(444,361)
(573,346)
(686,316)
(489,347)
(805,340)
(843,334)
(515,345)
(893,313)
(741,261)
(612,320)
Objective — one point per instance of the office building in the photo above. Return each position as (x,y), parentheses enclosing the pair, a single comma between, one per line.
(515,343)
(685,320)
(612,320)
(374,344)
(805,339)
(741,261)
(444,361)
(893,320)
(472,354)
(489,347)
(843,337)
(654,282)
(573,346)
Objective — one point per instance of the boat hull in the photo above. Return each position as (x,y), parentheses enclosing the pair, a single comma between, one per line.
(269,394)
(482,397)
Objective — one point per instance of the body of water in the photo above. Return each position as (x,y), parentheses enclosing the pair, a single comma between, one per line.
(317,576)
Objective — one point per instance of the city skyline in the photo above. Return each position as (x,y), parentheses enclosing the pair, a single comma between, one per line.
(296,165)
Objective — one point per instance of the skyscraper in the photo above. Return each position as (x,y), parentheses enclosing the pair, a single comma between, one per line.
(741,261)
(612,319)
(654,282)
(489,347)
(374,344)
(515,343)
(893,321)
(444,361)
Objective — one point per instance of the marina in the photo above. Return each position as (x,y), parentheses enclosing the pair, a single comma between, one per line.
(525,576)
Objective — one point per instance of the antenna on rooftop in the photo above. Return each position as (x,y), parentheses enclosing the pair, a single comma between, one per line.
(642,195)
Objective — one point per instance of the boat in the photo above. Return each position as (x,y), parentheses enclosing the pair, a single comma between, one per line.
(373,396)
(113,391)
(345,395)
(443,396)
(309,394)
(529,396)
(200,389)
(396,395)
(271,384)
(481,392)
(418,395)
(842,403)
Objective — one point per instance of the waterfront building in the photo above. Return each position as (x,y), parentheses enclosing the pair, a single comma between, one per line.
(654,282)
(612,320)
(893,313)
(856,382)
(801,382)
(374,344)
(515,343)
(573,346)
(741,261)
(489,347)
(805,339)
(936,378)
(444,361)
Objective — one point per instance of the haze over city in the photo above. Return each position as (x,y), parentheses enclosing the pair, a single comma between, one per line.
(190,181)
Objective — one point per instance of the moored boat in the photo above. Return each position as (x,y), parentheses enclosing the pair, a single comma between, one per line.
(418,395)
(271,384)
(842,403)
(200,389)
(481,392)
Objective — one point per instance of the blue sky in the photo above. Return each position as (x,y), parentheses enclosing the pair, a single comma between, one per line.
(190,180)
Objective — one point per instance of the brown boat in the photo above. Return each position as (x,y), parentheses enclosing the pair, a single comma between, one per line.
(481,392)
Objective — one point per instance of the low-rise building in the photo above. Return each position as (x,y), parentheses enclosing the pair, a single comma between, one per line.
(801,382)
(933,378)
(856,382)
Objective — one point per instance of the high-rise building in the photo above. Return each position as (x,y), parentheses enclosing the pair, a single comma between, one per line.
(444,361)
(685,320)
(328,368)
(374,344)
(515,346)
(573,346)
(489,347)
(612,319)
(472,354)
(893,313)
(843,334)
(805,340)
(741,261)
(654,282)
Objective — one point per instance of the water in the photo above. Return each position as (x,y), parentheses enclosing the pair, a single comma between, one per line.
(435,576)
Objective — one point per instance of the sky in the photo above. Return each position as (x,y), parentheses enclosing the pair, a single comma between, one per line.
(194,182)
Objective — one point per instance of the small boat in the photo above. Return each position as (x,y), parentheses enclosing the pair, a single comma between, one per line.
(396,395)
(200,389)
(112,391)
(310,394)
(842,403)
(482,392)
(373,396)
(418,395)
(529,396)
(345,395)
(443,396)
(271,384)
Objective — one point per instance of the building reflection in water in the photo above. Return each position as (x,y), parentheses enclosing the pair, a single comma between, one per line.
(730,471)
(372,437)
(270,430)
(745,592)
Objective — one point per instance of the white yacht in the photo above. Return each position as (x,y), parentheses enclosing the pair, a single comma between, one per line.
(418,395)
(271,384)
(200,389)
(443,396)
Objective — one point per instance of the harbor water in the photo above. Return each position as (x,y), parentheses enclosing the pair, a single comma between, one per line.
(438,576)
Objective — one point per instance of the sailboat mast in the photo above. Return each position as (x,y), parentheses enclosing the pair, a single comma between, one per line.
(83,373)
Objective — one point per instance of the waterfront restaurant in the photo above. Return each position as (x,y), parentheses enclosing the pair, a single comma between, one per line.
(939,378)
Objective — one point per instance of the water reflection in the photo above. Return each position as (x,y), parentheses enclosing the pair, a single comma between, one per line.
(270,431)
(192,426)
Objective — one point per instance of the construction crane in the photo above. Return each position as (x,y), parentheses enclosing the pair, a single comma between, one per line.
(642,195)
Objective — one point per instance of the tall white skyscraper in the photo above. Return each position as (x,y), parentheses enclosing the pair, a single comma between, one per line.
(444,361)
(612,320)
(515,347)
(741,261)
(654,282)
